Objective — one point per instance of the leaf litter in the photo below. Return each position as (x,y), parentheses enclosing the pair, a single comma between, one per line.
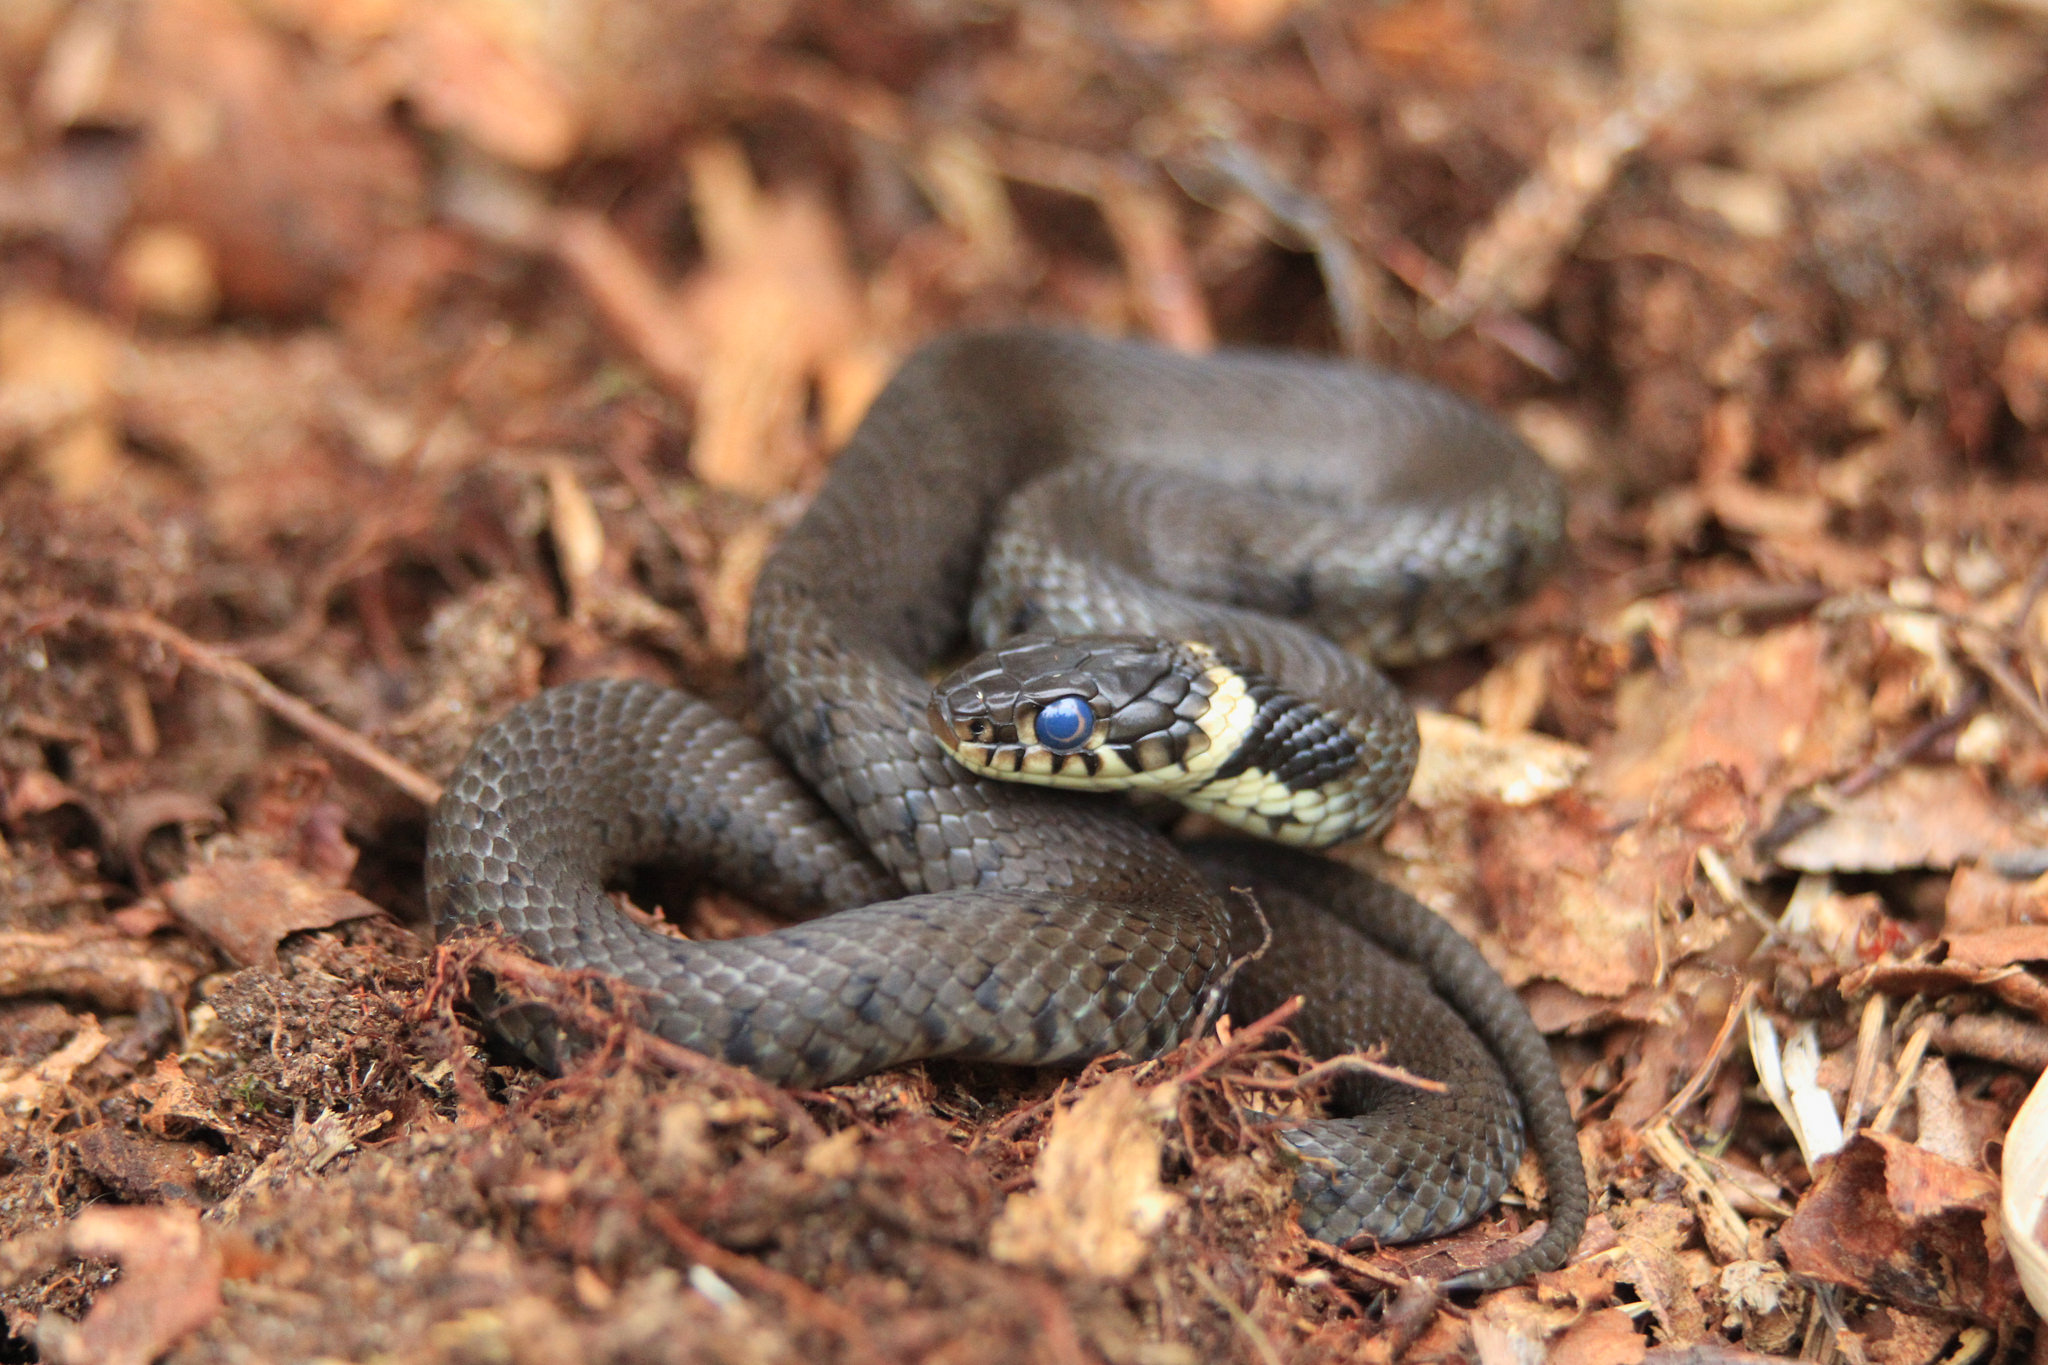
(366,366)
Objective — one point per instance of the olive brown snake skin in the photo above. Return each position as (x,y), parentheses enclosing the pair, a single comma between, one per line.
(956,916)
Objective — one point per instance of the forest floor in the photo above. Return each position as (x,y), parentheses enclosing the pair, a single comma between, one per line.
(366,365)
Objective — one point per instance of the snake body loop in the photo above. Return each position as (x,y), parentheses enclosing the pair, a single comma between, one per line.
(983,920)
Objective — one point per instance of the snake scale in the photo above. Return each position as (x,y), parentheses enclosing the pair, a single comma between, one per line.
(944,914)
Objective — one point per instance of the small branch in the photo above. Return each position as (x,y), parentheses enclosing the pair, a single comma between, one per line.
(1217,998)
(298,714)
(1247,1039)
(1984,654)
(1308,218)
(796,1296)
(1724,1041)
(1516,335)
(1995,1037)
(1349,1063)
(1797,816)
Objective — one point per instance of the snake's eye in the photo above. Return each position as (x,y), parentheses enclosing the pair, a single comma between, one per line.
(1064,724)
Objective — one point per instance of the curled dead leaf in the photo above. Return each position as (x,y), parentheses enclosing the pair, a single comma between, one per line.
(24,1090)
(100,964)
(1918,817)
(169,1286)
(1894,1221)
(1099,1201)
(246,909)
(1462,762)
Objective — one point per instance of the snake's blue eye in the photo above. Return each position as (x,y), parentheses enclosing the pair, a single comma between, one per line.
(1064,724)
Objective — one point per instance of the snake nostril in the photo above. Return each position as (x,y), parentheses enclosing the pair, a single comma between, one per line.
(978,729)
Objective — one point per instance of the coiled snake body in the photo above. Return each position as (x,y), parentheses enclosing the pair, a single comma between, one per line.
(1039,927)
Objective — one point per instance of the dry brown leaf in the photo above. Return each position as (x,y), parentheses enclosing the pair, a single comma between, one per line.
(776,304)
(1165,287)
(1462,763)
(1857,76)
(1099,1201)
(968,192)
(1249,20)
(285,167)
(1512,695)
(1771,708)
(140,1169)
(1572,901)
(473,69)
(1608,1337)
(169,1287)
(37,792)
(138,814)
(2023,373)
(277,432)
(103,965)
(24,1090)
(1999,947)
(167,272)
(57,367)
(2022,990)
(631,296)
(1918,817)
(1511,261)
(578,535)
(1889,1219)
(1742,506)
(176,1106)
(1981,899)
(247,908)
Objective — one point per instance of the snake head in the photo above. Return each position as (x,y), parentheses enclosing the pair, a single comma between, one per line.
(1120,713)
(1090,711)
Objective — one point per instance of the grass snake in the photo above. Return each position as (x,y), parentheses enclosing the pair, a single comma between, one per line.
(1111,490)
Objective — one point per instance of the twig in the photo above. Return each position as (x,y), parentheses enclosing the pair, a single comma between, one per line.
(1909,1068)
(1253,1333)
(1870,1032)
(1348,1063)
(1722,878)
(286,707)
(1345,280)
(1511,332)
(2037,583)
(1726,1233)
(797,1296)
(1996,1037)
(1754,599)
(1915,744)
(1247,1039)
(1724,1041)
(1795,819)
(1365,1269)
(1217,999)
(2001,674)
